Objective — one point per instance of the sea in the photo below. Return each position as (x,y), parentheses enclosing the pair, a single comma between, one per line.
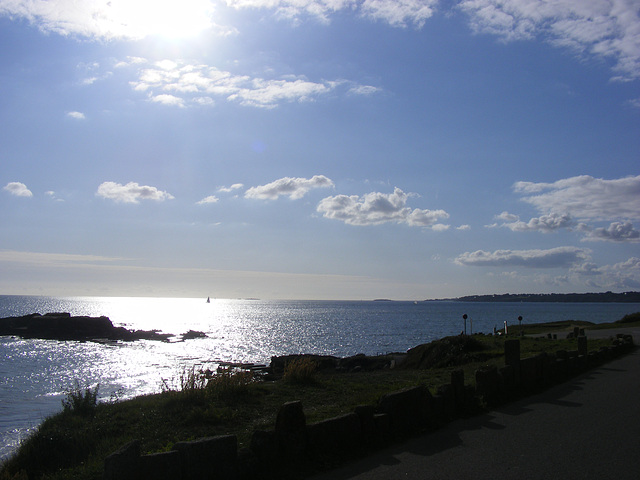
(35,374)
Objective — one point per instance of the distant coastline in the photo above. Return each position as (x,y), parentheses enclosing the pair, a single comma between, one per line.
(606,297)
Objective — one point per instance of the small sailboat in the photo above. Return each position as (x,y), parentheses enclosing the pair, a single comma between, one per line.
(208,300)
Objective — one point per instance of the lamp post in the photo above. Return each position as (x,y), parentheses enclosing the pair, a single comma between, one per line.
(464,317)
(520,321)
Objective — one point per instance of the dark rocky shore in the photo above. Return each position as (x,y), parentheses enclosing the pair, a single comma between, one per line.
(62,326)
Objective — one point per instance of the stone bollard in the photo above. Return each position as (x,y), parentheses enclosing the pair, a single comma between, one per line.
(457,385)
(488,385)
(209,458)
(161,466)
(446,402)
(370,434)
(266,448)
(512,354)
(340,436)
(582,345)
(291,430)
(507,379)
(409,409)
(124,463)
(383,426)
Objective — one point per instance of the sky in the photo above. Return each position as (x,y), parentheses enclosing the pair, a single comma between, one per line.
(319,149)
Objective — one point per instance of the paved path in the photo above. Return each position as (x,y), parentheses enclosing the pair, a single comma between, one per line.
(587,428)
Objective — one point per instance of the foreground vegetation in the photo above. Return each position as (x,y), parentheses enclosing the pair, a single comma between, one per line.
(74,443)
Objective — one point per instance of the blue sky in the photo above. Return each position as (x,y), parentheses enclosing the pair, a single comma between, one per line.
(319,149)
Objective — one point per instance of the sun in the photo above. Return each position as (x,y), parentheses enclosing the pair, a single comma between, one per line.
(166,18)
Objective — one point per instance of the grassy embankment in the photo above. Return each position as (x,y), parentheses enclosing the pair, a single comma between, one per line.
(74,443)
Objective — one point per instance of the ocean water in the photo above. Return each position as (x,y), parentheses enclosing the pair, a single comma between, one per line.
(34,374)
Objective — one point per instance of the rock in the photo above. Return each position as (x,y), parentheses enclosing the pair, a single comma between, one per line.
(191,334)
(62,326)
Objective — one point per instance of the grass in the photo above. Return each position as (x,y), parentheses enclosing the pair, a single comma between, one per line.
(72,445)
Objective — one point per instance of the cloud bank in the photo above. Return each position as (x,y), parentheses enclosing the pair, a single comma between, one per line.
(131,192)
(375,208)
(577,203)
(294,188)
(585,197)
(559,257)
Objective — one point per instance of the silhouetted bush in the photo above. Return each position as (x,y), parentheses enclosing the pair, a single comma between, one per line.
(300,370)
(229,383)
(81,401)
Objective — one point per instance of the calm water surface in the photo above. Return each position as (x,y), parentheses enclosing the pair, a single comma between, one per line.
(35,373)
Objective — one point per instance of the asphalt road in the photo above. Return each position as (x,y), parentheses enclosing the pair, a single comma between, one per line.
(587,428)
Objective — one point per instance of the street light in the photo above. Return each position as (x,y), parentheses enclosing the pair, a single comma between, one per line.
(520,321)
(464,317)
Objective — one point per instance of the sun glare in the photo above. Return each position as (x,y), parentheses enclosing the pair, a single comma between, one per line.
(167,18)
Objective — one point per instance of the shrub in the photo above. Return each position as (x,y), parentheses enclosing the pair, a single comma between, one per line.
(229,383)
(300,370)
(192,380)
(82,401)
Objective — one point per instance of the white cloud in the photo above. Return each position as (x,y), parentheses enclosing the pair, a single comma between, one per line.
(53,195)
(464,227)
(209,199)
(130,61)
(294,188)
(363,90)
(440,227)
(551,258)
(76,115)
(620,276)
(18,189)
(585,197)
(375,208)
(607,28)
(545,223)
(508,217)
(294,9)
(235,186)
(399,13)
(131,192)
(199,84)
(112,19)
(616,232)
(168,100)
